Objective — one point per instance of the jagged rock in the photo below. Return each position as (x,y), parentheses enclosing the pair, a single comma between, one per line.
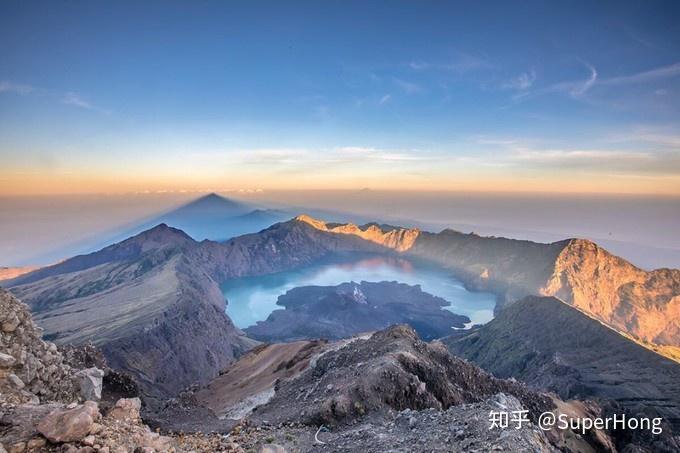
(90,383)
(126,409)
(69,425)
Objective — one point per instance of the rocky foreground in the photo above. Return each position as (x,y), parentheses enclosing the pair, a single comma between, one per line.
(387,391)
(48,405)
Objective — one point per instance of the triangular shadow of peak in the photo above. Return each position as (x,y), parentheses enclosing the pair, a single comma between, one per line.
(212,203)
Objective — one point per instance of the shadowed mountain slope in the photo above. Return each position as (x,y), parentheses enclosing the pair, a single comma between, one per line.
(553,346)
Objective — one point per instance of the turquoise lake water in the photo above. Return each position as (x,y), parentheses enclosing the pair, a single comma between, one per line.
(252,299)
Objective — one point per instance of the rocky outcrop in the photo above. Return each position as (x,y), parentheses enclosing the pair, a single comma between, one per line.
(30,368)
(552,346)
(458,429)
(83,429)
(28,423)
(392,391)
(69,424)
(393,369)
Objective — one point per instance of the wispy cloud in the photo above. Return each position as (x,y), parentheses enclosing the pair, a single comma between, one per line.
(522,82)
(578,156)
(375,154)
(460,63)
(408,87)
(76,100)
(16,88)
(577,89)
(662,72)
(580,89)
(303,159)
(385,99)
(659,137)
(69,98)
(630,156)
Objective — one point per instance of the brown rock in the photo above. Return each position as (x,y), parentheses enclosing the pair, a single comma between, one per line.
(38,442)
(88,441)
(10,325)
(126,408)
(69,425)
(19,447)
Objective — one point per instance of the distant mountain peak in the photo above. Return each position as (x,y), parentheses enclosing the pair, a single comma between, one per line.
(163,231)
(316,223)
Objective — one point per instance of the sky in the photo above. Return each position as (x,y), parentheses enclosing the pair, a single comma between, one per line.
(120,97)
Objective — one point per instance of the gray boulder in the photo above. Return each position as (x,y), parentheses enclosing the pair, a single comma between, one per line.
(90,382)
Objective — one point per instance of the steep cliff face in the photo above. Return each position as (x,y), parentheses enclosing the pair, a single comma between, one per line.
(508,267)
(188,342)
(643,304)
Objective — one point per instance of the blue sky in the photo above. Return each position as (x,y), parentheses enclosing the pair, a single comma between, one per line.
(536,96)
